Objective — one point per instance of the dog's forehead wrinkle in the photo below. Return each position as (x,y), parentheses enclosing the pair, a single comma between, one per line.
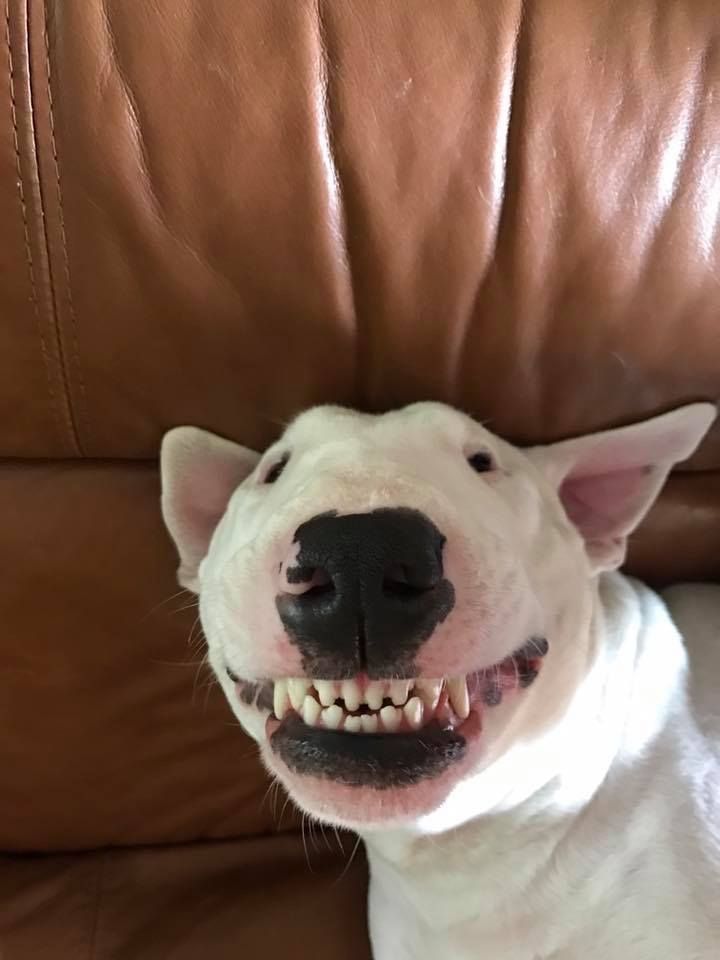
(419,424)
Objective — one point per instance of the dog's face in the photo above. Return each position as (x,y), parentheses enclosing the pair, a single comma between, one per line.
(393,603)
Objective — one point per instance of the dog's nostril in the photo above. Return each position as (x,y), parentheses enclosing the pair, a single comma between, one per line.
(308,581)
(399,581)
(320,589)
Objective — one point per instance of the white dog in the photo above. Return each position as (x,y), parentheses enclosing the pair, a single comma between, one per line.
(422,627)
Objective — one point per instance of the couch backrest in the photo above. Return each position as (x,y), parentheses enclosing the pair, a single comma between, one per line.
(221,213)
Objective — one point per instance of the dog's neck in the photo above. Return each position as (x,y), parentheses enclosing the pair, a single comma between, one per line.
(624,690)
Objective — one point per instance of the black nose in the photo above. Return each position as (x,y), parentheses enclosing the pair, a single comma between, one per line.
(375,592)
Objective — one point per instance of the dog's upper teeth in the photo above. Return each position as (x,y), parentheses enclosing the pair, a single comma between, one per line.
(374,694)
(429,692)
(331,704)
(351,694)
(281,700)
(398,691)
(458,696)
(327,692)
(297,690)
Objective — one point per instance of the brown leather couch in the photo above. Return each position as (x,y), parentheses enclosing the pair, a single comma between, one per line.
(219,213)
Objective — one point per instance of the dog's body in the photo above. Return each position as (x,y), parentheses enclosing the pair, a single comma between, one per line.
(615,852)
(556,792)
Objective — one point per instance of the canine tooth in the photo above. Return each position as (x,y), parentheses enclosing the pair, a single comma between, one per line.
(350,692)
(332,718)
(413,711)
(429,692)
(311,711)
(296,690)
(375,694)
(281,701)
(459,699)
(399,690)
(369,722)
(390,718)
(326,691)
(353,724)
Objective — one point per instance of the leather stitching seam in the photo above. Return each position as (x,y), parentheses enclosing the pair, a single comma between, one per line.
(63,239)
(26,229)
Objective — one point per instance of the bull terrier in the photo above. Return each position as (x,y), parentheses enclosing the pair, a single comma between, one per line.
(425,630)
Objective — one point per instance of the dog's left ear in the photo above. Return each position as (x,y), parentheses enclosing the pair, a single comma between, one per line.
(199,473)
(607,481)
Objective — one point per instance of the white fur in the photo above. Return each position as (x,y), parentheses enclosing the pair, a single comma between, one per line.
(589,829)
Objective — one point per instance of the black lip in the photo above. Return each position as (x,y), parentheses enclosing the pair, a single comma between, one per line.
(382,761)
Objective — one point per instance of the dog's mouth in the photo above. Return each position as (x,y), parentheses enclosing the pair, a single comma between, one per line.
(384,733)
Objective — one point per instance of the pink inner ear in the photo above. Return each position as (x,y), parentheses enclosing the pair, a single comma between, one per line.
(606,505)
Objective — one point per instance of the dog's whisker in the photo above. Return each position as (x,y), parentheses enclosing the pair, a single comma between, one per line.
(350,861)
(163,603)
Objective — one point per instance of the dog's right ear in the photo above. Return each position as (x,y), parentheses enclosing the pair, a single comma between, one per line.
(199,473)
(607,481)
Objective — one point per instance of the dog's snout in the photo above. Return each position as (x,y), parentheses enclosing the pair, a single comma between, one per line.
(363,591)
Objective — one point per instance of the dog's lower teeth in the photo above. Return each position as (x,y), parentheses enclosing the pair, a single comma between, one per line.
(390,718)
(332,718)
(311,711)
(369,723)
(413,712)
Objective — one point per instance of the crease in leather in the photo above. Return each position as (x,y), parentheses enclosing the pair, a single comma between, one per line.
(133,114)
(153,204)
(30,191)
(95,923)
(502,162)
(703,96)
(327,138)
(78,410)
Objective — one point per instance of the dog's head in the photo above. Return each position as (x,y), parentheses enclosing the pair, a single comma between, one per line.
(393,602)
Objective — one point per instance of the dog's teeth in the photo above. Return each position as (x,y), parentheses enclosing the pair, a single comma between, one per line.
(297,689)
(375,694)
(353,724)
(350,693)
(311,711)
(390,718)
(399,690)
(369,722)
(327,692)
(332,718)
(413,711)
(429,692)
(459,699)
(281,701)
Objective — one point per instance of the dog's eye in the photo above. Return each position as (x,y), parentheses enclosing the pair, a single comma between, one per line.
(481,462)
(276,470)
